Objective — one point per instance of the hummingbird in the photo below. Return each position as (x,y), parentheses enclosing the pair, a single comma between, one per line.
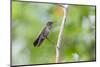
(43,35)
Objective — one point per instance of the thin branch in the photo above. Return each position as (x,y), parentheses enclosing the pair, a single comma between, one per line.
(60,35)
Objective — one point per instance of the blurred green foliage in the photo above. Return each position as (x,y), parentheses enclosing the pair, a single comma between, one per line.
(78,39)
